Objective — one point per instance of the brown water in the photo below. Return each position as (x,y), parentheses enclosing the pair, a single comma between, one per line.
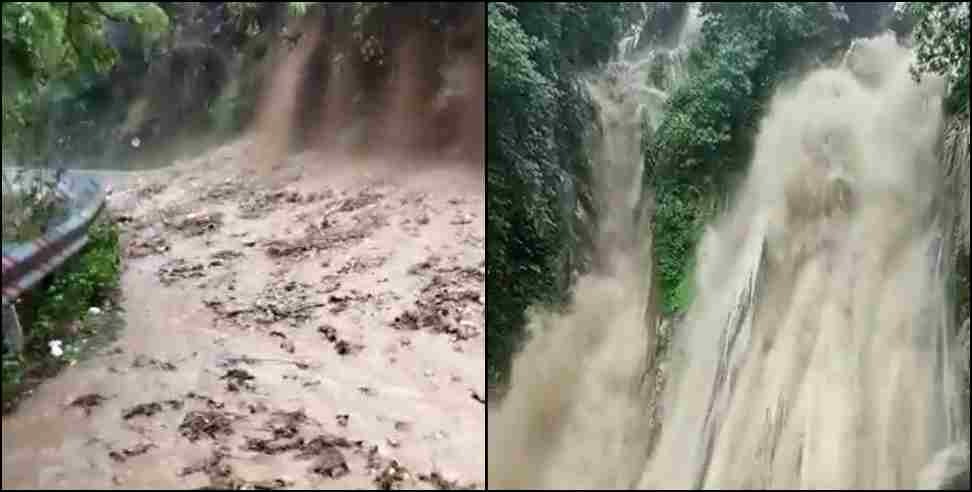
(817,353)
(384,239)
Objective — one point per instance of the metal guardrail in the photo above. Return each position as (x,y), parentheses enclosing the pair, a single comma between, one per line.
(26,264)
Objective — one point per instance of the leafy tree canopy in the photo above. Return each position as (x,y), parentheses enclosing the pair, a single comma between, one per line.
(941,38)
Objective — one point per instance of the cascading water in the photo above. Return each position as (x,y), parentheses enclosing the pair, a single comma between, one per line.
(818,351)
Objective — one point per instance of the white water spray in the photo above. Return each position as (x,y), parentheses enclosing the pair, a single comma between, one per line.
(817,353)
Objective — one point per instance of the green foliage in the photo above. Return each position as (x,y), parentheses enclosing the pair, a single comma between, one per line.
(84,281)
(538,172)
(12,376)
(705,138)
(46,41)
(941,38)
(63,301)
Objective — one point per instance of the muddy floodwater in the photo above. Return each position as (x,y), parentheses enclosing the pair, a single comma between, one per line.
(317,326)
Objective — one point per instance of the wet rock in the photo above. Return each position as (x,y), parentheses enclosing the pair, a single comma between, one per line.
(212,424)
(344,347)
(409,320)
(329,332)
(125,454)
(237,379)
(392,476)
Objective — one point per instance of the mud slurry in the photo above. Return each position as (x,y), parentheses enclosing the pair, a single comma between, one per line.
(319,327)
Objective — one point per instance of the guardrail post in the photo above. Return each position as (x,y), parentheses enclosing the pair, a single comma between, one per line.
(13,334)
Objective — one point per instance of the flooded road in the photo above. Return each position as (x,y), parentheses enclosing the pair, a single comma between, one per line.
(320,326)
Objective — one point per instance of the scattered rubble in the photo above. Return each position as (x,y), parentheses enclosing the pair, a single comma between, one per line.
(329,332)
(212,424)
(365,198)
(125,454)
(286,425)
(360,265)
(219,472)
(340,303)
(260,204)
(392,476)
(237,379)
(141,247)
(143,361)
(447,305)
(344,347)
(331,463)
(439,482)
(285,300)
(341,346)
(150,409)
(88,403)
(197,224)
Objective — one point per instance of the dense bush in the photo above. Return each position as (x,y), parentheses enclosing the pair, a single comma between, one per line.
(58,308)
(941,37)
(45,42)
(705,139)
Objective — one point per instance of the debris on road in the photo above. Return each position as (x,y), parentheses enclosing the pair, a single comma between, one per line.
(143,361)
(125,454)
(88,403)
(150,409)
(212,424)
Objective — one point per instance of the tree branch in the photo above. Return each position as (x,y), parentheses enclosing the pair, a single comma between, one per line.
(69,34)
